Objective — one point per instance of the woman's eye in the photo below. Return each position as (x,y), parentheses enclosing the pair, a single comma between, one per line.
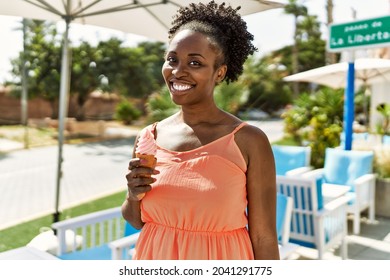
(195,63)
(171,59)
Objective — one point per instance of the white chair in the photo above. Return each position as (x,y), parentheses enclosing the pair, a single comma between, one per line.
(97,230)
(313,224)
(291,160)
(350,168)
(283,220)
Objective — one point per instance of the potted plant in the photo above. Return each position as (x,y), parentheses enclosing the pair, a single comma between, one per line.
(383,128)
(382,188)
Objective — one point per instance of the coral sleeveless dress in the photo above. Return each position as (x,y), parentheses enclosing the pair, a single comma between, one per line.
(196,209)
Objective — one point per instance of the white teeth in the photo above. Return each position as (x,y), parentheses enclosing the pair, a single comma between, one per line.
(180,87)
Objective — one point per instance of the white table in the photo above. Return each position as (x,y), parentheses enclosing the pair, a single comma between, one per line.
(26,253)
(332,191)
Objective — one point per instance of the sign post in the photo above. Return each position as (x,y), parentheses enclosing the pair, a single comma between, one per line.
(369,33)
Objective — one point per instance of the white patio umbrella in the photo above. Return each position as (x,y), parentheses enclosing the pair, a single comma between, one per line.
(368,71)
(149,18)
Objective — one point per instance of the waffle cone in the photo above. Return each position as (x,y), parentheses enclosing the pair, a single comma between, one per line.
(150,160)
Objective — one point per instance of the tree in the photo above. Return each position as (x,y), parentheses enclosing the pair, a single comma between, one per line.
(154,52)
(132,72)
(42,53)
(266,89)
(230,97)
(84,77)
(311,50)
(264,76)
(331,58)
(297,11)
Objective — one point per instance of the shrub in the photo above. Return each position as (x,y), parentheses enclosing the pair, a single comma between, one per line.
(383,128)
(230,97)
(160,105)
(126,112)
(316,120)
(382,162)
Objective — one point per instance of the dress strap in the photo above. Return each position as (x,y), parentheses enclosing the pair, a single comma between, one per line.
(153,129)
(239,127)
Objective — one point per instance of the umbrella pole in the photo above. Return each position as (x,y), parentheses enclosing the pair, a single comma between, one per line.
(24,105)
(63,101)
(349,105)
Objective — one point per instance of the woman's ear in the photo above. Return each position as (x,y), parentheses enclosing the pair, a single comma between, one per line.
(221,72)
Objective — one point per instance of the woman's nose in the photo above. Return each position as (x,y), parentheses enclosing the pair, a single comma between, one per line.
(179,70)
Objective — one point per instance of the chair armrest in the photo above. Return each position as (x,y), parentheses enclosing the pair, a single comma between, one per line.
(124,243)
(364,188)
(315,173)
(299,171)
(367,178)
(334,205)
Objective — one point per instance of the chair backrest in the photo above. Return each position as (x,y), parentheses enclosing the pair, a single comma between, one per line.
(290,157)
(355,136)
(283,217)
(342,167)
(304,194)
(96,231)
(386,140)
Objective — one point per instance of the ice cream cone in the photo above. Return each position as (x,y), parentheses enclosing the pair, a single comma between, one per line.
(150,160)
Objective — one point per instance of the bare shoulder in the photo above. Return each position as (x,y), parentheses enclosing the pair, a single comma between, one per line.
(250,134)
(252,142)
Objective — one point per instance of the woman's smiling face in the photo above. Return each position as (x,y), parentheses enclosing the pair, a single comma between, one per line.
(189,69)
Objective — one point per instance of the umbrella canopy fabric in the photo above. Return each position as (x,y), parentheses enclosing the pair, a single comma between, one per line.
(149,18)
(367,71)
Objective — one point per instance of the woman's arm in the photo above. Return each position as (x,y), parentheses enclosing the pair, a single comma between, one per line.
(261,190)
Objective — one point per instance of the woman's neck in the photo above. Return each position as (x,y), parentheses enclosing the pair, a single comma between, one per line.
(210,115)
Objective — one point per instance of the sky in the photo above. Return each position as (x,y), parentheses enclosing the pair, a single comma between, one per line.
(272,29)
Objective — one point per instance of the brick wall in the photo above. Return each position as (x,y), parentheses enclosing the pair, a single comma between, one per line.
(97,107)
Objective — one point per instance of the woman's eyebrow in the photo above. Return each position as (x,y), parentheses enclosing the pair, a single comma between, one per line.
(196,54)
(190,54)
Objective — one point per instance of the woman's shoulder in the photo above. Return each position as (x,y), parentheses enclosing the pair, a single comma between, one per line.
(251,138)
(250,131)
(253,144)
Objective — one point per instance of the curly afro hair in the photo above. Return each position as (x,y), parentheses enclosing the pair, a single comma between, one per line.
(224,27)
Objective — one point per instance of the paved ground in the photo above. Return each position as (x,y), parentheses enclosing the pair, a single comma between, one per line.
(28,177)
(373,243)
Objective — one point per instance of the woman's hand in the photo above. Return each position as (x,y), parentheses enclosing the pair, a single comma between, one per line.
(139,179)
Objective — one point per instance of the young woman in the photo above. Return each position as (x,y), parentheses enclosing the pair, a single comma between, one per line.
(213,192)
